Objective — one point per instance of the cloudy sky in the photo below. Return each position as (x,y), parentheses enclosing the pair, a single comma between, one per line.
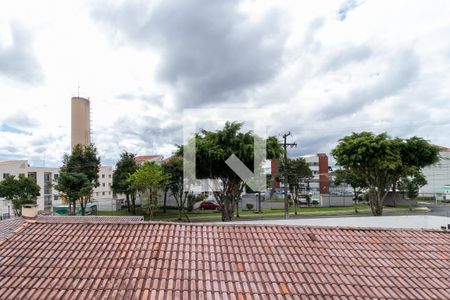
(322,69)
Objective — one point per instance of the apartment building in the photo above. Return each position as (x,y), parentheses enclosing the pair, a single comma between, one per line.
(45,177)
(437,175)
(318,163)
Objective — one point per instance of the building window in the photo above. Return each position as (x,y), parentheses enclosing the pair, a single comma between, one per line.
(56,198)
(55,176)
(109,193)
(103,184)
(103,175)
(109,183)
(21,175)
(32,175)
(96,193)
(103,193)
(109,175)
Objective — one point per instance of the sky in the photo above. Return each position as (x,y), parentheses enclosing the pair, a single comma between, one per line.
(320,69)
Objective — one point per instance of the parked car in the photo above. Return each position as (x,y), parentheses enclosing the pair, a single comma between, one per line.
(302,200)
(209,204)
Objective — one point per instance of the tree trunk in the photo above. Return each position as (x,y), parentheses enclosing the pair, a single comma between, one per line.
(296,199)
(376,202)
(133,203)
(127,197)
(355,194)
(165,201)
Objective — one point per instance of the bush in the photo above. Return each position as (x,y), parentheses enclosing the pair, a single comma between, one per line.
(249,206)
(315,202)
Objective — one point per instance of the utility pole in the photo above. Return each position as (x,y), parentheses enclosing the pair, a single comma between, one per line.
(285,175)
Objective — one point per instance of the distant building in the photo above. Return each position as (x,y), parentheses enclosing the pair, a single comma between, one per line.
(437,175)
(45,177)
(81,122)
(318,163)
(140,160)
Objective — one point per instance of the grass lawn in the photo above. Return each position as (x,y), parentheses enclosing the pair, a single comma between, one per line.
(200,216)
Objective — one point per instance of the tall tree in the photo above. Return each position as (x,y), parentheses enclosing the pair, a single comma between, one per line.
(73,186)
(84,160)
(174,169)
(124,168)
(21,191)
(357,183)
(381,161)
(213,148)
(148,180)
(298,170)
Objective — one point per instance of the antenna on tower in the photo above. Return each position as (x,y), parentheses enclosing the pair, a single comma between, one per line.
(78,89)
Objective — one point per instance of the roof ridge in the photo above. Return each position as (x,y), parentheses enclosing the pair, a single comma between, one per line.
(343,228)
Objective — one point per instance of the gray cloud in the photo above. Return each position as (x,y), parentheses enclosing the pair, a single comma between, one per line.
(348,6)
(153,98)
(17,61)
(210,51)
(21,120)
(353,54)
(402,69)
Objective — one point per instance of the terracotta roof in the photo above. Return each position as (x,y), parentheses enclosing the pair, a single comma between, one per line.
(52,260)
(144,158)
(8,226)
(442,148)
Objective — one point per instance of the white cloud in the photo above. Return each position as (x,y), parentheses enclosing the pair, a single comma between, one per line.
(323,69)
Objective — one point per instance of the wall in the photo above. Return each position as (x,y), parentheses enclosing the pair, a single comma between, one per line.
(327,200)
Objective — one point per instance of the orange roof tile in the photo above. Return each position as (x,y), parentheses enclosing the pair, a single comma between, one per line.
(145,260)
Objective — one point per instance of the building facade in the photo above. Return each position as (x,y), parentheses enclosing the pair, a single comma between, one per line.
(437,175)
(318,163)
(45,177)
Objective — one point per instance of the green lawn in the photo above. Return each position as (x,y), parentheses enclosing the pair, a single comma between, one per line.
(198,216)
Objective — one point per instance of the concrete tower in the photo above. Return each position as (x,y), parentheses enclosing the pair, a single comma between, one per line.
(81,127)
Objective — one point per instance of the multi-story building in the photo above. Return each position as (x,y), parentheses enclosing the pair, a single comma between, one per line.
(319,184)
(45,177)
(318,163)
(437,175)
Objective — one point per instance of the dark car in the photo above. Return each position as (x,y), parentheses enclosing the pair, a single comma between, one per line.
(209,204)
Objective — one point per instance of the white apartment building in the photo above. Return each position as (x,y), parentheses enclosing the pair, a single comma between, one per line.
(437,175)
(45,177)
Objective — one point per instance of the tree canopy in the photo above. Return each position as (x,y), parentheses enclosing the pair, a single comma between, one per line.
(298,171)
(174,171)
(19,191)
(381,161)
(212,150)
(124,168)
(148,180)
(83,160)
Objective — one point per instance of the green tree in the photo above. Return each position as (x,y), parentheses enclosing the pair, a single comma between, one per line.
(410,185)
(124,168)
(148,180)
(381,161)
(174,170)
(19,191)
(73,186)
(213,148)
(416,153)
(84,160)
(298,171)
(353,179)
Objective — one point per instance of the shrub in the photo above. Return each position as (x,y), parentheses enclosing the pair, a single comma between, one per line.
(249,206)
